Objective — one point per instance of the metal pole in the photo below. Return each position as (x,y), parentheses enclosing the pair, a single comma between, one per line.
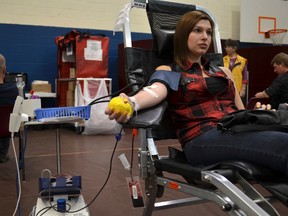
(58,150)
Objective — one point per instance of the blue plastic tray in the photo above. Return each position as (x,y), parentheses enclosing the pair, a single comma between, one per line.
(63,112)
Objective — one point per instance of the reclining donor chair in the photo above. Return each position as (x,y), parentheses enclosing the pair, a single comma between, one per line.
(229,184)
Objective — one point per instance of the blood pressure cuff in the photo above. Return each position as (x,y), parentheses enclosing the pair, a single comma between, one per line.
(169,78)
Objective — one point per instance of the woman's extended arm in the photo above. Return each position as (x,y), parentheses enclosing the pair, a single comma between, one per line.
(150,97)
(238,101)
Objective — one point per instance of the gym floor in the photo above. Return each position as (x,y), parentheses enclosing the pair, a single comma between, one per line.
(87,156)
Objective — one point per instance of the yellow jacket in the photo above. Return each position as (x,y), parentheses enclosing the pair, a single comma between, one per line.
(237,70)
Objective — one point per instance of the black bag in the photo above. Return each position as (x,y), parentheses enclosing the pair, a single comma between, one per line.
(254,120)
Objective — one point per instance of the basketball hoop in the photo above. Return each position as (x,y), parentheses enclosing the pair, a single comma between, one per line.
(276,35)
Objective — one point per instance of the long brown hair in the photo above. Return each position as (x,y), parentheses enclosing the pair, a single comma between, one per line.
(184,27)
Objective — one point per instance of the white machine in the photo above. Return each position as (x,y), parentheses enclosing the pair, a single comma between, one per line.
(72,205)
(23,109)
(60,196)
(57,195)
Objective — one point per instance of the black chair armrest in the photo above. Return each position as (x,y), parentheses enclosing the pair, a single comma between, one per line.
(148,118)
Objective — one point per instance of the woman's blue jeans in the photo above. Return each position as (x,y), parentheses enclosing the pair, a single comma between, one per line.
(268,148)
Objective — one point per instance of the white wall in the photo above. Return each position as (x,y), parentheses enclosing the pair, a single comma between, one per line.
(273,13)
(101,14)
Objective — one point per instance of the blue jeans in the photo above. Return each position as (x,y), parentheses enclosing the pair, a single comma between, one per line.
(268,148)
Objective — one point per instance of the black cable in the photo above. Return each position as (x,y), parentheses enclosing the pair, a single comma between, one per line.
(132,154)
(113,152)
(55,207)
(49,194)
(45,208)
(118,138)
(112,156)
(118,92)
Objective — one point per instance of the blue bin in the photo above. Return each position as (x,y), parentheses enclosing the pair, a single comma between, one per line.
(62,112)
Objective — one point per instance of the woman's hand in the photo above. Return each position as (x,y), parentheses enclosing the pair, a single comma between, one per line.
(148,97)
(259,106)
(118,116)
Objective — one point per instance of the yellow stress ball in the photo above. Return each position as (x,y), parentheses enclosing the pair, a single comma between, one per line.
(120,106)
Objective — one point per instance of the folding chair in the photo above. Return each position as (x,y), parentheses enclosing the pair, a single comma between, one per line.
(228,184)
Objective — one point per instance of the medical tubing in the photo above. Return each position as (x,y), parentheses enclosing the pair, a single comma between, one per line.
(106,181)
(116,93)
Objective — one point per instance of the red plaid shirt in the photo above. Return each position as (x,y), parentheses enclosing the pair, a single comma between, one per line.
(193,108)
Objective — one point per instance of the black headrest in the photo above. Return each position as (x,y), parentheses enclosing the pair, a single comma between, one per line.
(164,39)
(163,17)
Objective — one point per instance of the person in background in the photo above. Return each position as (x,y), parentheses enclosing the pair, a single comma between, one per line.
(8,94)
(278,90)
(199,95)
(237,65)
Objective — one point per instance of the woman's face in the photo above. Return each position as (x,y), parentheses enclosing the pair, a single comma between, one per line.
(199,39)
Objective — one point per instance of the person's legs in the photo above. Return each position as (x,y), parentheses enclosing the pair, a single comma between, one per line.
(4,147)
(268,148)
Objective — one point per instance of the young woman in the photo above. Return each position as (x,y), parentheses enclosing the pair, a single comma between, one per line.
(199,94)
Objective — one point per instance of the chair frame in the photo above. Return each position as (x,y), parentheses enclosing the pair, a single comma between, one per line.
(229,197)
(235,199)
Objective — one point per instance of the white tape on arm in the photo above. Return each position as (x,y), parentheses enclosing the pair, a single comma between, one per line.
(135,104)
(150,91)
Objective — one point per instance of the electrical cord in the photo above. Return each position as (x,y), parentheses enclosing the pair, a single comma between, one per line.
(54,206)
(20,163)
(118,138)
(24,147)
(48,207)
(134,133)
(97,100)
(43,209)
(18,175)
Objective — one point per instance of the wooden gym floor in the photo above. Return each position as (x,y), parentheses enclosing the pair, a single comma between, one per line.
(88,157)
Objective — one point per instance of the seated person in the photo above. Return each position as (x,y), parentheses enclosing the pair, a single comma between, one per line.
(8,94)
(199,94)
(278,90)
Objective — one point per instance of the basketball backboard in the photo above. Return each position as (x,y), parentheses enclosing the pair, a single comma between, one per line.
(259,16)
